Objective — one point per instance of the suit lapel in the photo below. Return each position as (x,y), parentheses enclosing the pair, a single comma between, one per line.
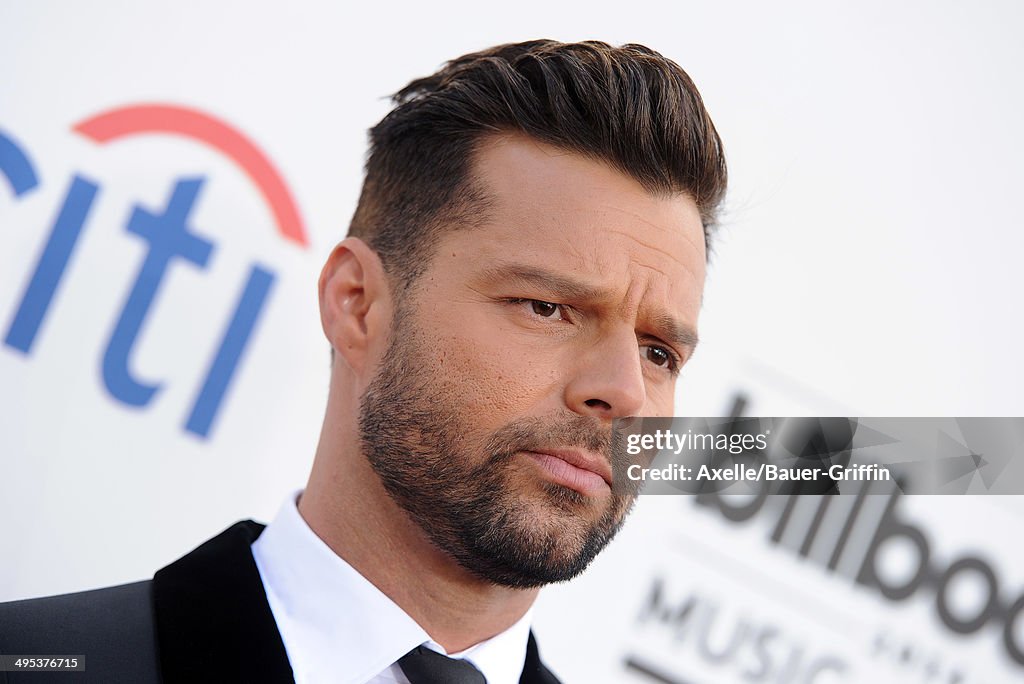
(213,622)
(534,671)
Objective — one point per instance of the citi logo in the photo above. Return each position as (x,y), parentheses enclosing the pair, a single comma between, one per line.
(169,240)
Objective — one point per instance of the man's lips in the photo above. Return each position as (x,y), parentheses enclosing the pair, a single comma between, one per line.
(584,471)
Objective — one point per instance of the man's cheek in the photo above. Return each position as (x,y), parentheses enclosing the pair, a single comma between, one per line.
(502,379)
(660,399)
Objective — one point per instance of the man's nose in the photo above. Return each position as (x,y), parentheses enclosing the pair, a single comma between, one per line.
(608,380)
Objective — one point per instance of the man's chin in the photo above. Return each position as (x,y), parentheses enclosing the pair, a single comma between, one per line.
(564,531)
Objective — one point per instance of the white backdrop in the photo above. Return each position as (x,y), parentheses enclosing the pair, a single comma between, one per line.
(868,265)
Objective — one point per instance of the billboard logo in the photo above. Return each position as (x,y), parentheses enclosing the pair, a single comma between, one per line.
(816,515)
(169,240)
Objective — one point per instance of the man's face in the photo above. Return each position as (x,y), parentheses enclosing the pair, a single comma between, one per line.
(489,418)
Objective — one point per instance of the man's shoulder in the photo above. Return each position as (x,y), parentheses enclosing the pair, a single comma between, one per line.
(122,608)
(117,628)
(112,627)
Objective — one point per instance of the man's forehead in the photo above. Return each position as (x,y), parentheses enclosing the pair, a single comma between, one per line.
(509,162)
(565,211)
(518,173)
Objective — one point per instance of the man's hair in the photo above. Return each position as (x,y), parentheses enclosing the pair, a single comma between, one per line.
(626,106)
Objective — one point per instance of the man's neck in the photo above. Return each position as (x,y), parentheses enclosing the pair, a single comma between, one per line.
(355,517)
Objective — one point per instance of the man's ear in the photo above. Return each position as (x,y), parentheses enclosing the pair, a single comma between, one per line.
(355,306)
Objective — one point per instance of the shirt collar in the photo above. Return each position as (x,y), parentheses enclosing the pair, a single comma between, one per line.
(332,618)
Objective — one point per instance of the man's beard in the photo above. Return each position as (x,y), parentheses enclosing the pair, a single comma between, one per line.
(463,493)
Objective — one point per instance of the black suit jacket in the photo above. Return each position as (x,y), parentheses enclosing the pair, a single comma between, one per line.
(203,618)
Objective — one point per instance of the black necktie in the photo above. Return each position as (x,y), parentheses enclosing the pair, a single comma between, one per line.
(423,666)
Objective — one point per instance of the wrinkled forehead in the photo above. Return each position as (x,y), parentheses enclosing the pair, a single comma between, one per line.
(561,211)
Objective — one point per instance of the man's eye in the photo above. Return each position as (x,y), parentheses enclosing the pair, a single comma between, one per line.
(660,356)
(545,309)
(542,308)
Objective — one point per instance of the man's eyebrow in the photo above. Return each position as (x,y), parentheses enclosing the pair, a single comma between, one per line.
(562,285)
(679,335)
(665,327)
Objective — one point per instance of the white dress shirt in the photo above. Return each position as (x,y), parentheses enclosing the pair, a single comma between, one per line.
(338,628)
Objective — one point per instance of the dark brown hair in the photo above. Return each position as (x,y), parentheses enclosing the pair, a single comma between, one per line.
(627,106)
